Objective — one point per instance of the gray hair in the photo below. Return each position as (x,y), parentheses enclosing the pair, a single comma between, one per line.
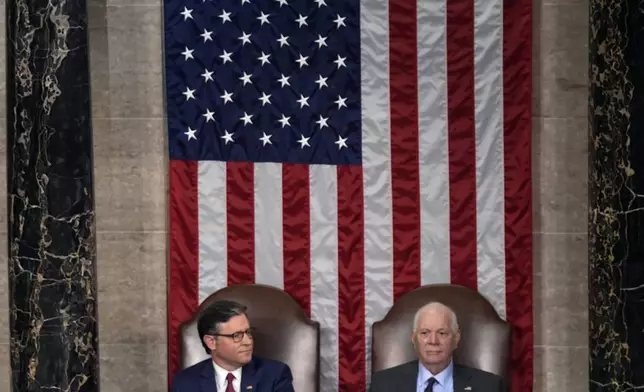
(437,306)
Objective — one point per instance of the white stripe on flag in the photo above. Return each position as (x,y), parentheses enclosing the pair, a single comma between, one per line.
(488,100)
(324,268)
(376,162)
(433,142)
(213,258)
(269,252)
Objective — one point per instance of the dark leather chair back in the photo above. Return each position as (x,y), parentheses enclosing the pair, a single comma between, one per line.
(485,337)
(284,332)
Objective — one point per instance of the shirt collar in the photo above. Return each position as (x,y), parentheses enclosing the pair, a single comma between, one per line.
(221,373)
(424,375)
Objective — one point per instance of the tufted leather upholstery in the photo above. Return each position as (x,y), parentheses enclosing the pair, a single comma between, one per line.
(284,332)
(485,337)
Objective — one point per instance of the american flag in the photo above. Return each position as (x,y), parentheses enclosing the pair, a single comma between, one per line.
(349,151)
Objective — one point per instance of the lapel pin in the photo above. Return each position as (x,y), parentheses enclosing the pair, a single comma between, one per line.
(468,388)
(249,387)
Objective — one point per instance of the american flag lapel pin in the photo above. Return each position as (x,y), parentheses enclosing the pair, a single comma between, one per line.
(250,387)
(467,388)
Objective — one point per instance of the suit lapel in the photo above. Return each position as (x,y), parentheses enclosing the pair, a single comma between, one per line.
(461,379)
(249,377)
(407,381)
(207,381)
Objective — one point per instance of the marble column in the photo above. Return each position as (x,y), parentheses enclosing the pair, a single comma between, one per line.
(51,235)
(616,189)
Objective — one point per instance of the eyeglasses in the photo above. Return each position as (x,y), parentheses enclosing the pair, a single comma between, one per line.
(237,336)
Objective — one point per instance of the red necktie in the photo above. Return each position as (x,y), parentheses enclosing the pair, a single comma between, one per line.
(229,378)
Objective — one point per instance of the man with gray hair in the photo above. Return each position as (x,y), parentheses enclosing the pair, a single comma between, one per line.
(435,336)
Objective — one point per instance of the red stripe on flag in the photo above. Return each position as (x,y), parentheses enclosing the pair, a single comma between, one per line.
(351,302)
(462,141)
(405,187)
(183,291)
(240,212)
(517,93)
(297,233)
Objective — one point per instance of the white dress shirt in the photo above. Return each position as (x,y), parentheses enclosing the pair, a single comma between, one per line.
(220,378)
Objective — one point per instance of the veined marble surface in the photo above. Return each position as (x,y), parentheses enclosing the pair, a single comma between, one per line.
(51,231)
(616,185)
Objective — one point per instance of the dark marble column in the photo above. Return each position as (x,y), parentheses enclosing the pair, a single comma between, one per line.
(51,232)
(616,231)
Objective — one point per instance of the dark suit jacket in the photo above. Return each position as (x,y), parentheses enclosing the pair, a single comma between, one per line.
(402,378)
(259,375)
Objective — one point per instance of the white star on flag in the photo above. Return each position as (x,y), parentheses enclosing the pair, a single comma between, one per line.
(301,20)
(189,93)
(265,98)
(340,61)
(303,101)
(228,137)
(187,53)
(284,80)
(227,97)
(207,35)
(226,57)
(285,121)
(266,139)
(209,115)
(304,141)
(321,82)
(191,133)
(245,78)
(187,14)
(283,40)
(263,18)
(339,21)
(341,142)
(322,122)
(246,118)
(225,17)
(321,41)
(264,58)
(207,75)
(341,102)
(245,38)
(302,60)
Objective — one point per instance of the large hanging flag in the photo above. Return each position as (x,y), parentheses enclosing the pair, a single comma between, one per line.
(349,151)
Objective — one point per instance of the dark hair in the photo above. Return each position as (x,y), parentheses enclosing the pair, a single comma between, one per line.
(216,314)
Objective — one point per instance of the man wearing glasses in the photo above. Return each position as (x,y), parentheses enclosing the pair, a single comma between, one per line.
(226,335)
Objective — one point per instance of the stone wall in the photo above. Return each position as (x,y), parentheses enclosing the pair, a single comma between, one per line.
(131,187)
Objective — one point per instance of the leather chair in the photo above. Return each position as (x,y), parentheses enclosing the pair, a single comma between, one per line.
(283,332)
(485,337)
